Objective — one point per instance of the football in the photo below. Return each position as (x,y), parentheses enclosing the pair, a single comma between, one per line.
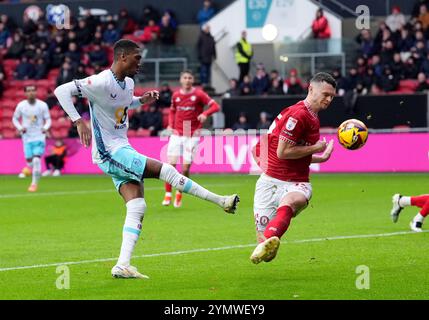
(352,134)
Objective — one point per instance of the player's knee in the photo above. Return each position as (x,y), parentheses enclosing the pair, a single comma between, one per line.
(137,205)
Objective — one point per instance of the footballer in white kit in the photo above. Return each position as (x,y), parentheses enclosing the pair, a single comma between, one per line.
(110,95)
(32,119)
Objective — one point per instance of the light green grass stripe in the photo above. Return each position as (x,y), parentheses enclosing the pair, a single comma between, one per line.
(361,236)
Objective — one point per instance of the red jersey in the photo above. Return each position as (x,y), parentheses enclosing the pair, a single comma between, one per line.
(186,107)
(297,125)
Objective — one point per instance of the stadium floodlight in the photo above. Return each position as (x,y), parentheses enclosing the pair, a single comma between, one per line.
(269,32)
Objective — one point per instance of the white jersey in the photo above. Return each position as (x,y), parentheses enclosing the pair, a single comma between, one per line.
(34,119)
(109,105)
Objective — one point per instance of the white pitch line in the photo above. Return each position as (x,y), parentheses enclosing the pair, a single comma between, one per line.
(361,236)
(66,193)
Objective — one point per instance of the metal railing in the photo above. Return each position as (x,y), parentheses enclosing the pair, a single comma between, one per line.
(314,56)
(157,62)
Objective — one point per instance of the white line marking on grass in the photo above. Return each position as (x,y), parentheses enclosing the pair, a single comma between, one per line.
(67,193)
(361,236)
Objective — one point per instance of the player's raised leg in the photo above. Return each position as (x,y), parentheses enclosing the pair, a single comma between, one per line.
(292,203)
(167,173)
(132,194)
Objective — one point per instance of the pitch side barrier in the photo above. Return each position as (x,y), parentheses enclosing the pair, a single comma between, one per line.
(376,111)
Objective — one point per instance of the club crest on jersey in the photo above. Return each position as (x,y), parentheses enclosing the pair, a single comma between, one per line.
(193,98)
(177,99)
(291,123)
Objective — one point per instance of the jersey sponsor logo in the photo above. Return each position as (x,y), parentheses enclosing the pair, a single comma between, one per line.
(186,108)
(121,115)
(291,123)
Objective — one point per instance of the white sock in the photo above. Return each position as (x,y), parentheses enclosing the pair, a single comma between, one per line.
(418,218)
(180,182)
(29,164)
(37,167)
(405,201)
(132,229)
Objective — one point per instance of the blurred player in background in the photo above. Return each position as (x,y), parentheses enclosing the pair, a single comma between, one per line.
(186,118)
(284,155)
(400,202)
(35,122)
(110,94)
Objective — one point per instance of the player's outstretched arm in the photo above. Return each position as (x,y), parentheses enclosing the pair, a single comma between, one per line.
(286,150)
(147,98)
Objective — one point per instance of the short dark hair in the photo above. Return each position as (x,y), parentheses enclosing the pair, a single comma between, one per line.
(186,71)
(324,77)
(28,86)
(124,46)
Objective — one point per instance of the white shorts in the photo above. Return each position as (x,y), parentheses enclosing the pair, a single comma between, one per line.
(268,194)
(183,146)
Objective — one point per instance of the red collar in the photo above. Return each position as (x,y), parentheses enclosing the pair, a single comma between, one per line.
(307,105)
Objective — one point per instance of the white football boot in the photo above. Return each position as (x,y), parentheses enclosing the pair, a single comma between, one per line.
(396,208)
(265,251)
(416,226)
(230,203)
(127,272)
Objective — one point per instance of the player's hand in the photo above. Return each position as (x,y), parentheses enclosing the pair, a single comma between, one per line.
(84,133)
(23,130)
(328,151)
(202,118)
(149,96)
(321,145)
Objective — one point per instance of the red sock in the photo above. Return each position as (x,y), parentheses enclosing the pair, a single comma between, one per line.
(278,226)
(425,209)
(168,187)
(419,201)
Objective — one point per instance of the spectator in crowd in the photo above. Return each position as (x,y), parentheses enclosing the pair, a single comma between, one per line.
(73,54)
(83,33)
(4,35)
(241,123)
(410,70)
(111,34)
(276,86)
(167,33)
(55,161)
(397,66)
(320,26)
(369,80)
(264,120)
(150,32)
(165,94)
(416,8)
(376,65)
(233,90)
(171,18)
(206,48)
(424,16)
(135,120)
(80,72)
(274,74)
(382,35)
(293,86)
(149,13)
(246,88)
(42,53)
(17,47)
(42,34)
(243,56)
(24,70)
(348,90)
(2,78)
(292,73)
(422,84)
(28,25)
(51,99)
(205,13)
(8,22)
(366,43)
(396,20)
(125,24)
(66,74)
(361,66)
(152,120)
(387,52)
(388,81)
(98,56)
(405,41)
(261,81)
(41,69)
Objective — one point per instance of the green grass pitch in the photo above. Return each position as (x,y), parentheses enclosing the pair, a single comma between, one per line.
(199,252)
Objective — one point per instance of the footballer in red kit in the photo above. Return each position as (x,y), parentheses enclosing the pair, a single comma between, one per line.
(284,155)
(186,118)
